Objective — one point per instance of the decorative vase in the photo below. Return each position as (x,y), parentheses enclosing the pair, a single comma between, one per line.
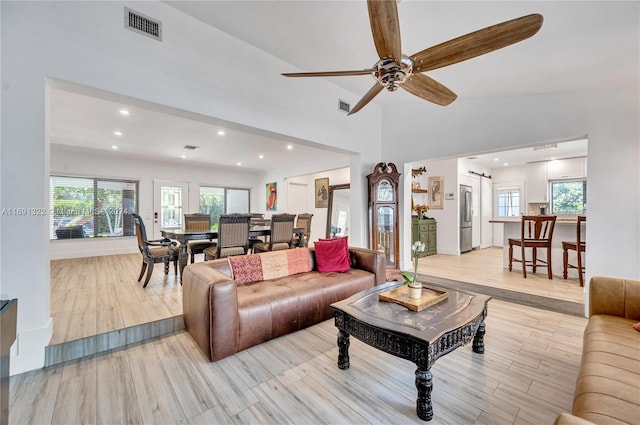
(415,290)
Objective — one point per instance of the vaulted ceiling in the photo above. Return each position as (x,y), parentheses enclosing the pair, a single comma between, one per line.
(581,46)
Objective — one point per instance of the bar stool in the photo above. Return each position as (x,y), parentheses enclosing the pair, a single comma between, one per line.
(573,246)
(536,232)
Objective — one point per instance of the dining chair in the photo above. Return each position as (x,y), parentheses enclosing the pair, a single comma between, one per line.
(154,251)
(536,232)
(579,246)
(233,237)
(281,234)
(198,222)
(303,221)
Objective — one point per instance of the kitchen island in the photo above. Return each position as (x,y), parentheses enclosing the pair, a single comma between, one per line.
(564,230)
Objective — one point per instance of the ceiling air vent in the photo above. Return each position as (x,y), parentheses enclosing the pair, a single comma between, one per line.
(344,106)
(142,24)
(191,147)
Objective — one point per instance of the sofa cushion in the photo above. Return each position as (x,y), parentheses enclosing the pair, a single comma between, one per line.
(332,255)
(607,385)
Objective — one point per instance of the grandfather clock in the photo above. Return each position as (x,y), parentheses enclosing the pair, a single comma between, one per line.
(383,211)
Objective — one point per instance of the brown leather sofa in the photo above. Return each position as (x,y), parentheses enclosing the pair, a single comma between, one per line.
(608,385)
(224,317)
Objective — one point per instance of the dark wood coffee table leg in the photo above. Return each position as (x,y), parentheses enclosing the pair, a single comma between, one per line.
(424,384)
(343,350)
(478,339)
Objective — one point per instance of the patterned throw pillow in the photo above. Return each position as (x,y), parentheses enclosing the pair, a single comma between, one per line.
(332,255)
(298,260)
(637,326)
(274,264)
(246,268)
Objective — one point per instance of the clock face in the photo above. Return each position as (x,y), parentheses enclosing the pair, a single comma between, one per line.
(385,191)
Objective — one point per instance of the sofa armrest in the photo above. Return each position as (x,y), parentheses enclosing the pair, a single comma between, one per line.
(371,261)
(567,419)
(210,307)
(615,297)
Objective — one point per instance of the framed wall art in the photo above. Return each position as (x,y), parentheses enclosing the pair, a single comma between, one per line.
(272,196)
(436,192)
(322,192)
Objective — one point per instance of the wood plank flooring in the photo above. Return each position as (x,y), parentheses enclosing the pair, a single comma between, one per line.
(526,377)
(94,295)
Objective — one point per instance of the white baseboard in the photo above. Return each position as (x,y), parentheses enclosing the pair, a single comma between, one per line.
(27,352)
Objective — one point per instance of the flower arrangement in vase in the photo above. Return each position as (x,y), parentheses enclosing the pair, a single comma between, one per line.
(421,210)
(411,279)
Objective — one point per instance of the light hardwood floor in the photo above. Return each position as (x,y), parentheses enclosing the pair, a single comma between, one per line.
(526,377)
(93,295)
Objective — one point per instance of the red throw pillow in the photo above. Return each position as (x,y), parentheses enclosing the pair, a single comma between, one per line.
(637,326)
(332,255)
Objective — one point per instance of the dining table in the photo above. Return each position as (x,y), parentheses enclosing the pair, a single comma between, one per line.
(182,236)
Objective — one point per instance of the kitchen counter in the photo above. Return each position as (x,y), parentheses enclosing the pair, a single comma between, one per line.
(571,221)
(564,230)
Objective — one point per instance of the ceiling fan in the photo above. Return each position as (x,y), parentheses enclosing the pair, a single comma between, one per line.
(395,69)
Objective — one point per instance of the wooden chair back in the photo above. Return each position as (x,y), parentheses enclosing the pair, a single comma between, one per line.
(282,226)
(233,234)
(197,222)
(537,228)
(304,221)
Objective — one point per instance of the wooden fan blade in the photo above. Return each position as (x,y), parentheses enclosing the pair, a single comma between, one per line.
(328,73)
(373,91)
(477,43)
(429,89)
(385,27)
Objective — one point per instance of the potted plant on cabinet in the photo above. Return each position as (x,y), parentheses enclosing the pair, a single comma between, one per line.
(411,279)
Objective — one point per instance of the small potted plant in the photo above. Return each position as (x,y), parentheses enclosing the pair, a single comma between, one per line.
(411,279)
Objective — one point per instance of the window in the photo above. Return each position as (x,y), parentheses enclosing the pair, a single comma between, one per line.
(86,207)
(216,201)
(508,202)
(568,196)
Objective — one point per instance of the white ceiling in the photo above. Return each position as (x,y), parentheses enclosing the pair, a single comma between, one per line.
(83,119)
(581,46)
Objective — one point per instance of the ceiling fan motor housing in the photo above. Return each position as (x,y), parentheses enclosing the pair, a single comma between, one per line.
(390,74)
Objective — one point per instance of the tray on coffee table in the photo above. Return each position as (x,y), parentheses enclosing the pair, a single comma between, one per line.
(400,296)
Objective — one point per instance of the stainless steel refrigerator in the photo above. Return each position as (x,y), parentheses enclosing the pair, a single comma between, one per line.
(465,218)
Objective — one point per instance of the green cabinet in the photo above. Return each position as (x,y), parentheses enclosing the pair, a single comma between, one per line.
(425,231)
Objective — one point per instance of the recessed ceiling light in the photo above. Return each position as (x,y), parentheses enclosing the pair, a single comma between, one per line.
(183,156)
(220,132)
(114,147)
(496,159)
(506,163)
(124,112)
(289,147)
(117,133)
(239,164)
(261,156)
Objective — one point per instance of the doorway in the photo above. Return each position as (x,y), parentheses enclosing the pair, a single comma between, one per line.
(170,203)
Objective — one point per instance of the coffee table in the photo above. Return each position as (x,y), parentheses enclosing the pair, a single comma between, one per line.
(419,336)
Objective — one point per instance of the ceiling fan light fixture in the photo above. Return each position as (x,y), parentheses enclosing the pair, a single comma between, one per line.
(390,74)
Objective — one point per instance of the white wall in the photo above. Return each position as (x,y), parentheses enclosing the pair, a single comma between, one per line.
(319,220)
(86,43)
(447,218)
